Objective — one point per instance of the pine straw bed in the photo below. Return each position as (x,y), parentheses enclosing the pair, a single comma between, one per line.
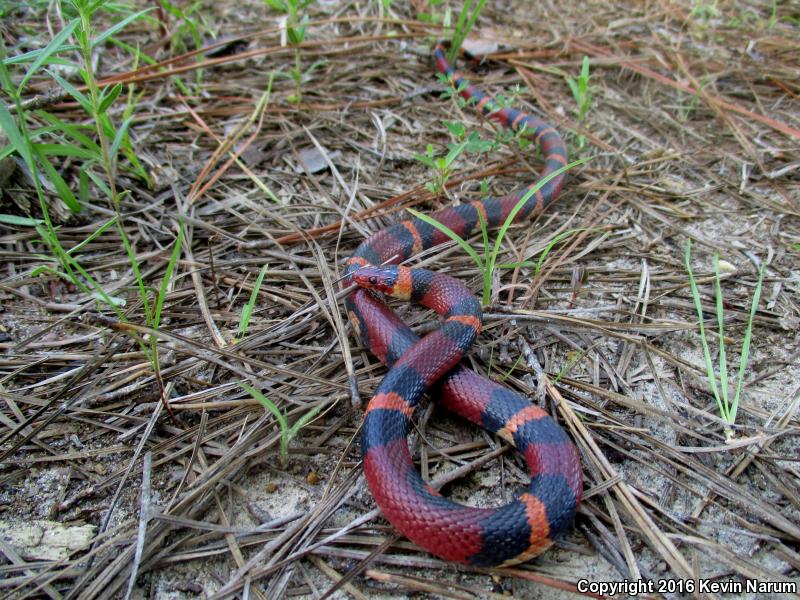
(694,134)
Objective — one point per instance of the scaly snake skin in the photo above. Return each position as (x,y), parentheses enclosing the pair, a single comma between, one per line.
(526,526)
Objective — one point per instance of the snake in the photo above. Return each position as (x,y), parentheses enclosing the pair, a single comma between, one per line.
(485,537)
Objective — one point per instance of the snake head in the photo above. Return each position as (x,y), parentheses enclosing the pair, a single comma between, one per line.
(380,279)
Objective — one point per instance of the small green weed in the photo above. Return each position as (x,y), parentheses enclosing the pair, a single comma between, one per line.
(488,262)
(685,110)
(464,142)
(433,16)
(773,16)
(502,135)
(296,26)
(704,11)
(582,95)
(727,408)
(288,433)
(441,165)
(189,25)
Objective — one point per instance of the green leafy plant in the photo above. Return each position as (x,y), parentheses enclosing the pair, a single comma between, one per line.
(465,142)
(466,19)
(296,26)
(582,95)
(59,139)
(441,165)
(727,408)
(488,262)
(288,432)
(98,143)
(502,135)
(187,24)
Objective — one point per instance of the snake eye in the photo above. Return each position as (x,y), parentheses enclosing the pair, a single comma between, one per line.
(373,280)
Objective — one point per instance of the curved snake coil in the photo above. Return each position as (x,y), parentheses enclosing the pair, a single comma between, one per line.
(526,526)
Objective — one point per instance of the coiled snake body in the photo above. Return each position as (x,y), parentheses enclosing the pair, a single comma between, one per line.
(526,526)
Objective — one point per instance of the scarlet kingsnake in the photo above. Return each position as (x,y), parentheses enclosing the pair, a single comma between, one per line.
(526,526)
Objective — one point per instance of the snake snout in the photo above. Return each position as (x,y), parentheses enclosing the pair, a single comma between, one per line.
(379,279)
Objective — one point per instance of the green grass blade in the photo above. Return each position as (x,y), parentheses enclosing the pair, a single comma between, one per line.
(79,96)
(98,181)
(487,274)
(94,235)
(723,362)
(69,130)
(63,190)
(55,45)
(119,138)
(712,379)
(451,234)
(99,293)
(472,18)
(466,20)
(462,17)
(32,55)
(107,97)
(454,152)
(162,292)
(148,315)
(282,423)
(20,221)
(518,206)
(247,310)
(65,150)
(746,344)
(269,405)
(306,418)
(15,137)
(118,27)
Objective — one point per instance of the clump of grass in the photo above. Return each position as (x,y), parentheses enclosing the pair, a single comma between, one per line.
(466,19)
(704,11)
(488,262)
(727,407)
